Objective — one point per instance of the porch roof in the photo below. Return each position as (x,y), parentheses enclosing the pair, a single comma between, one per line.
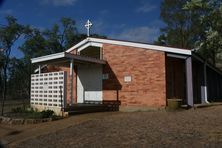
(64,56)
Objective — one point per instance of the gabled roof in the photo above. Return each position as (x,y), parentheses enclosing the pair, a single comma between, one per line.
(99,43)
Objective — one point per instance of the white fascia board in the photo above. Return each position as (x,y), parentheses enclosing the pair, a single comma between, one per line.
(99,42)
(141,45)
(77,45)
(48,57)
(90,44)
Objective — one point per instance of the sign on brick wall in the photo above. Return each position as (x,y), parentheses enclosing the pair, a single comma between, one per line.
(48,89)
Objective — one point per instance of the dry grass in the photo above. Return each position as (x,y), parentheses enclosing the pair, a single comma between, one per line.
(10,104)
(187,128)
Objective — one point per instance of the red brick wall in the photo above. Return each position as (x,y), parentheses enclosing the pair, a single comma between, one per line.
(147,69)
(68,81)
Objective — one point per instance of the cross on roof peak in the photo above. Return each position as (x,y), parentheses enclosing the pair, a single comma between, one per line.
(88,25)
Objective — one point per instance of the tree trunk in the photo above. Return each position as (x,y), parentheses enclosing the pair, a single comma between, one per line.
(4,89)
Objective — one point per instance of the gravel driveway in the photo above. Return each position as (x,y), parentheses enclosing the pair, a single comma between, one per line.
(187,128)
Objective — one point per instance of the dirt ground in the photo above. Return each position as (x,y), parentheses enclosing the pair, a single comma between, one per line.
(201,127)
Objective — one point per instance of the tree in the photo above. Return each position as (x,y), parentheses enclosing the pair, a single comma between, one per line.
(1,67)
(15,73)
(193,24)
(34,45)
(181,27)
(59,38)
(209,43)
(62,36)
(161,40)
(37,43)
(9,34)
(18,74)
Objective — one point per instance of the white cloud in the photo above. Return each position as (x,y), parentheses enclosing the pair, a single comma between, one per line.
(147,7)
(139,34)
(59,2)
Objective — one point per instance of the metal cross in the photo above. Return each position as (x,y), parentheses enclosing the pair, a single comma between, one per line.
(88,25)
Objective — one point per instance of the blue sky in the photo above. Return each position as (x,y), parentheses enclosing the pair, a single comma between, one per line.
(134,20)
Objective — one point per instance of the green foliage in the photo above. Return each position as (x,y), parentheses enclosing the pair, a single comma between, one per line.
(9,34)
(18,84)
(23,110)
(181,28)
(47,113)
(15,73)
(209,43)
(18,110)
(31,113)
(161,40)
(194,24)
(1,68)
(34,41)
(57,39)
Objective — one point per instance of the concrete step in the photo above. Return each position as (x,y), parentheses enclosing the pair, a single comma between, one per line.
(207,104)
(86,111)
(90,108)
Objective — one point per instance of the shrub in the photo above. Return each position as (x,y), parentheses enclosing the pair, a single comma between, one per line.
(18,110)
(31,113)
(47,113)
(30,110)
(22,110)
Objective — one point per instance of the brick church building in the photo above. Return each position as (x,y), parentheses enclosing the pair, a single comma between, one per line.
(137,75)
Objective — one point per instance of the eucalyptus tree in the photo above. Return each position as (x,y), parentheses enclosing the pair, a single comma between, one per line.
(209,43)
(180,25)
(9,34)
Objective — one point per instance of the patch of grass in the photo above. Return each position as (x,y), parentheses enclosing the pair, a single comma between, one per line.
(30,113)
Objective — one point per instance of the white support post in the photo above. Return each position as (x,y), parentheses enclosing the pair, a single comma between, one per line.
(101,53)
(204,87)
(39,69)
(71,80)
(189,80)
